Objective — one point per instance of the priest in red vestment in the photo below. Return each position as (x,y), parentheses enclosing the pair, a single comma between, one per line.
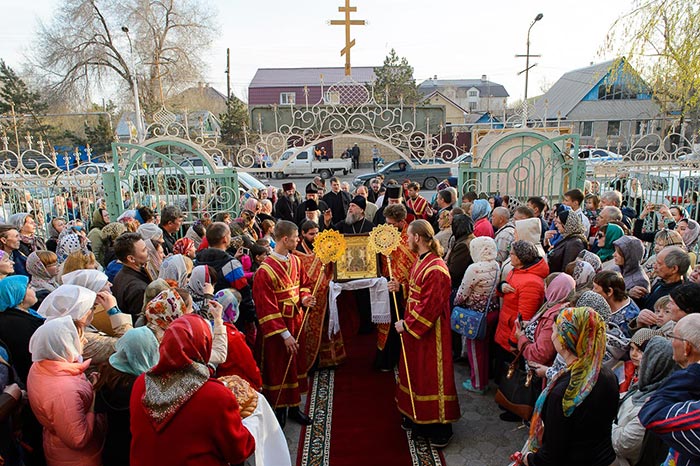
(426,337)
(280,289)
(416,202)
(402,260)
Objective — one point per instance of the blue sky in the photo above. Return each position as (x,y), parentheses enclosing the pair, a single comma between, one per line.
(448,38)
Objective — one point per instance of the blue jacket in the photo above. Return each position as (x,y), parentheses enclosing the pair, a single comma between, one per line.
(673,413)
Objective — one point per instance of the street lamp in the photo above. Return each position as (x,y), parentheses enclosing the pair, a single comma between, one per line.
(527,63)
(134,83)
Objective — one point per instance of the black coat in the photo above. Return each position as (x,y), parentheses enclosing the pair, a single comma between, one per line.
(285,208)
(129,288)
(338,203)
(363,226)
(115,404)
(460,259)
(16,328)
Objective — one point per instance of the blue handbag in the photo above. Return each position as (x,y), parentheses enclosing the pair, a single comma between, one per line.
(471,323)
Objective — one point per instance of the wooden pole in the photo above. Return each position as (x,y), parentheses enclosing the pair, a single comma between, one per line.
(301,328)
(403,348)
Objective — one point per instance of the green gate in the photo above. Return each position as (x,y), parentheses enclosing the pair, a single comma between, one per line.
(169,171)
(521,164)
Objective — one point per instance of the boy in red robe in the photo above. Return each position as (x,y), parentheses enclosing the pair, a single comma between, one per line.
(280,289)
(427,339)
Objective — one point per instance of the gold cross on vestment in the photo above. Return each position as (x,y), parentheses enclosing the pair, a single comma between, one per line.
(347,22)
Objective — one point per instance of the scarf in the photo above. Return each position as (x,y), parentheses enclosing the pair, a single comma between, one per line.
(200,277)
(113,230)
(136,352)
(229,301)
(68,300)
(555,294)
(56,340)
(612,234)
(52,231)
(41,278)
(583,274)
(691,234)
(174,268)
(656,365)
(181,370)
(67,245)
(582,332)
(183,245)
(98,220)
(87,278)
(480,209)
(594,260)
(162,310)
(596,302)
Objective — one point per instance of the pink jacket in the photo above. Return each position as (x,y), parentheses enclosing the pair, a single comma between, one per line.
(483,227)
(61,396)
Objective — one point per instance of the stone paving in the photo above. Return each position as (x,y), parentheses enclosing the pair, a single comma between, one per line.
(480,437)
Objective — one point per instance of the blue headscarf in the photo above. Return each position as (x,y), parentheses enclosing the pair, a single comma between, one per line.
(136,351)
(12,291)
(480,209)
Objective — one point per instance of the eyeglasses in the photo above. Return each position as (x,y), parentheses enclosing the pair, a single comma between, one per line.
(673,337)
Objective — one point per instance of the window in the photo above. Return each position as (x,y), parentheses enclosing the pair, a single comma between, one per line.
(288,98)
(586,128)
(473,93)
(613,128)
(332,97)
(615,92)
(472,106)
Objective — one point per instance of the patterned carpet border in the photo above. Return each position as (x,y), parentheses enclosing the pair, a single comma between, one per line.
(423,453)
(317,436)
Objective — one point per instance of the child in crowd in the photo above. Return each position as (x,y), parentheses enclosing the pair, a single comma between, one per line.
(637,345)
(664,324)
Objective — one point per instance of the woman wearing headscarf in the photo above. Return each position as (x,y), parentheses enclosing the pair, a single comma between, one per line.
(29,241)
(100,219)
(54,229)
(7,267)
(459,257)
(186,247)
(690,232)
(79,303)
(137,353)
(480,215)
(629,252)
(573,416)
(176,268)
(62,397)
(592,259)
(68,244)
(18,321)
(535,338)
(162,311)
(582,272)
(110,320)
(239,360)
(477,292)
(110,233)
(572,241)
(153,237)
(606,236)
(43,267)
(201,286)
(628,432)
(198,424)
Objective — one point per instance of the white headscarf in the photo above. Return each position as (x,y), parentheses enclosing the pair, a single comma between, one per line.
(174,268)
(68,300)
(150,231)
(87,278)
(56,340)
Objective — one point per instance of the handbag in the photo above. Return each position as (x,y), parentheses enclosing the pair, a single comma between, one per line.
(469,322)
(518,390)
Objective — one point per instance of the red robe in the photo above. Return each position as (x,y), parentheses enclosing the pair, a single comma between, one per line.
(278,288)
(428,343)
(419,207)
(239,359)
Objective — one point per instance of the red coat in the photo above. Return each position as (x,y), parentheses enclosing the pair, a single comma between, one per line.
(239,360)
(428,343)
(206,430)
(526,300)
(483,227)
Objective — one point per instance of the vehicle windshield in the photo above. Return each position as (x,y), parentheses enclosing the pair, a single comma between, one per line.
(249,181)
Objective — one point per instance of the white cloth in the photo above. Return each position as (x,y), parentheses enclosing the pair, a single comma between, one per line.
(87,278)
(270,443)
(68,300)
(56,340)
(379,297)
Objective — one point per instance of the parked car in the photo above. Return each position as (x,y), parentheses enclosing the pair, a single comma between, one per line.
(428,174)
(305,163)
(660,186)
(464,158)
(593,156)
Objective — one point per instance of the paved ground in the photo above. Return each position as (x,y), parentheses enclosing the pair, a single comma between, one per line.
(480,437)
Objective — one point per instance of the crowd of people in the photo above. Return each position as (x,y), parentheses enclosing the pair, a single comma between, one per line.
(147,340)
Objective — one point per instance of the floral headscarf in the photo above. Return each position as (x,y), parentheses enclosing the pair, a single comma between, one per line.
(583,274)
(162,310)
(182,246)
(184,353)
(588,256)
(596,302)
(174,268)
(113,230)
(691,234)
(612,234)
(228,300)
(572,224)
(41,278)
(582,332)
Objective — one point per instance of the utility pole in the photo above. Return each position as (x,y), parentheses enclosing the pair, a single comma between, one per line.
(134,82)
(228,74)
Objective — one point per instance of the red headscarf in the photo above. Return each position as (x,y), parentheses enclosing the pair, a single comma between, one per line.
(184,353)
(182,246)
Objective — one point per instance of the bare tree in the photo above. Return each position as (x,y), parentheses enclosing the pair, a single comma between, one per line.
(85,47)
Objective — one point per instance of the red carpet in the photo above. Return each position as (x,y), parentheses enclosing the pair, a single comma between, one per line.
(366,424)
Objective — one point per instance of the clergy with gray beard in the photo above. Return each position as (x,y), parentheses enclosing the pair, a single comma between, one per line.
(355,221)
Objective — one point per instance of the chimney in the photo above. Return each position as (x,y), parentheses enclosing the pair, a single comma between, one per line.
(483,78)
(435,77)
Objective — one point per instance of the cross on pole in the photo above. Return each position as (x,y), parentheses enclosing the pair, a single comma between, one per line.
(347,22)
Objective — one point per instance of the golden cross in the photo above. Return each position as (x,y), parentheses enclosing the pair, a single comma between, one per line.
(347,22)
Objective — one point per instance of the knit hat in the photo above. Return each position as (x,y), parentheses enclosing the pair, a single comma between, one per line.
(360,202)
(642,336)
